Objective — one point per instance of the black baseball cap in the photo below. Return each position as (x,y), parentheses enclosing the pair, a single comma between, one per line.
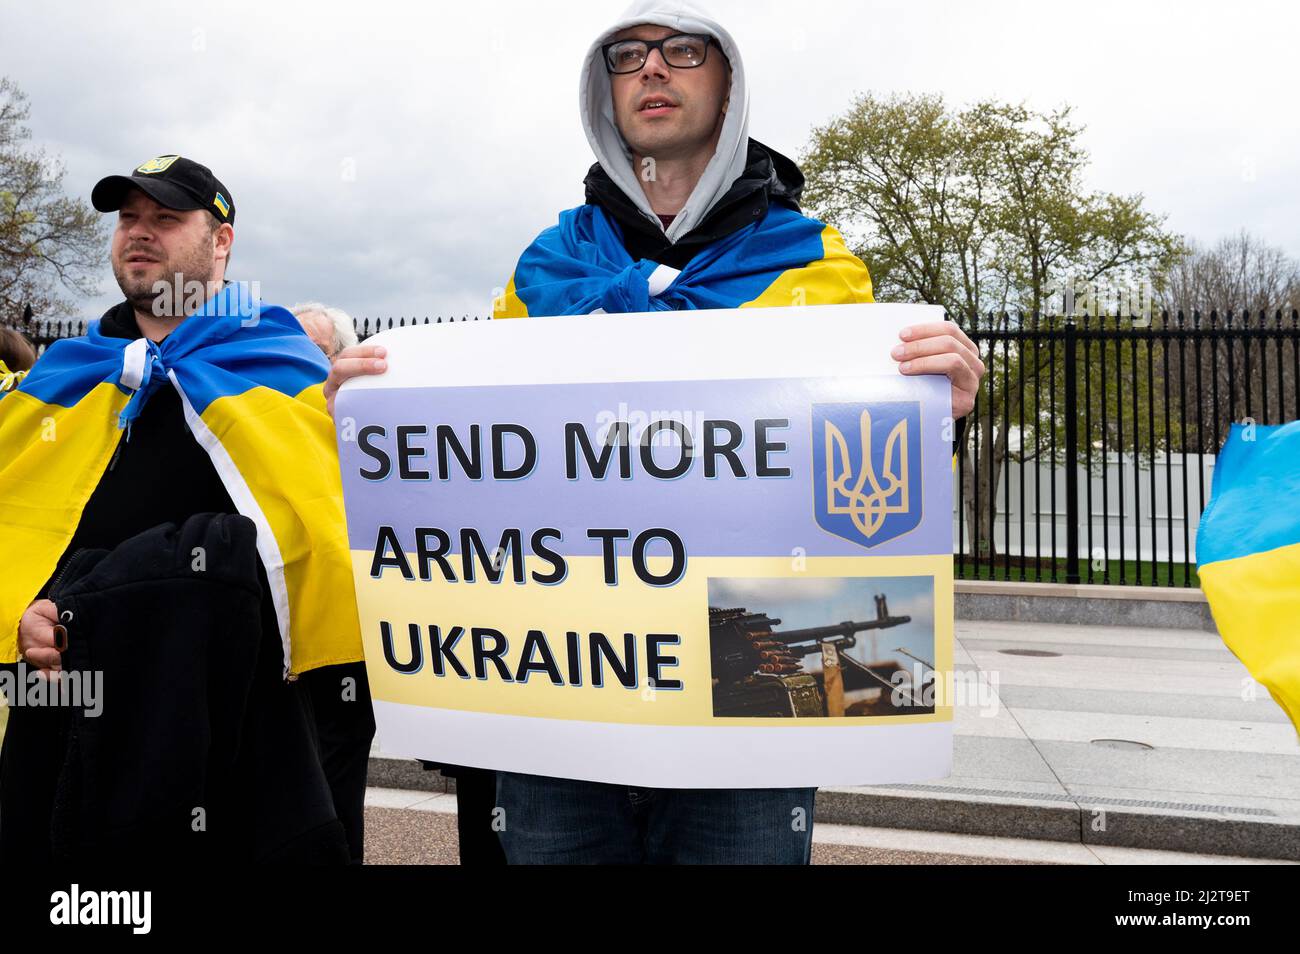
(173,181)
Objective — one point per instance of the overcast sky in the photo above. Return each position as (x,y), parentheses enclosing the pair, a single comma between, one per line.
(395,158)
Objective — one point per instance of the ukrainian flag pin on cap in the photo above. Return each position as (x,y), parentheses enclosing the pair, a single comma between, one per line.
(171,180)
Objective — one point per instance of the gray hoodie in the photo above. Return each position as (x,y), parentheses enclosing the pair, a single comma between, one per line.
(597,108)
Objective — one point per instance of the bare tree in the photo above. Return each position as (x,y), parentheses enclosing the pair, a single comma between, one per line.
(1241,272)
(1241,282)
(50,243)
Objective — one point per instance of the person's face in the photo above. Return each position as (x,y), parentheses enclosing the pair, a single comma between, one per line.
(693,100)
(320,330)
(153,243)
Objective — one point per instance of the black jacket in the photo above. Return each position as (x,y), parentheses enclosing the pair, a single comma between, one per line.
(768,177)
(176,650)
(199,751)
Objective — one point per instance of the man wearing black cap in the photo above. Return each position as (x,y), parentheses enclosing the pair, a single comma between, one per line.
(175,225)
(169,253)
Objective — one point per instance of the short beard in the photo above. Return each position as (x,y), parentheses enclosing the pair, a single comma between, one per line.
(158,297)
(141,294)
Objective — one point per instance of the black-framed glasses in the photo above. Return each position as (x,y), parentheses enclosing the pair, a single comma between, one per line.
(681,51)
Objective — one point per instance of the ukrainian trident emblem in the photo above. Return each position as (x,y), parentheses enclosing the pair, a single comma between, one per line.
(867,471)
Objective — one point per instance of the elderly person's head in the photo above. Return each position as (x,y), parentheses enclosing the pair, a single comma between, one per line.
(329,328)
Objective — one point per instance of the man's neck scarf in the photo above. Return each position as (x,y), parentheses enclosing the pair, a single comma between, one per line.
(580,266)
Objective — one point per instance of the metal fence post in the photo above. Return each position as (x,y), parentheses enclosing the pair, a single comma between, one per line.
(1071,456)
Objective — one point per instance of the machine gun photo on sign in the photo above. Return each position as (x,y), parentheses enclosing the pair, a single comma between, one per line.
(761,670)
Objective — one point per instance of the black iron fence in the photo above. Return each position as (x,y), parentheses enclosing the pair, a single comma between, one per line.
(1090,454)
(365,327)
(44,333)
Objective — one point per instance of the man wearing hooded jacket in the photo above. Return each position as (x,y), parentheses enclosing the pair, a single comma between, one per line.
(679,188)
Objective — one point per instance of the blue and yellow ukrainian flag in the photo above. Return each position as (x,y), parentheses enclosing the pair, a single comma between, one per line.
(1248,555)
(250,383)
(579,266)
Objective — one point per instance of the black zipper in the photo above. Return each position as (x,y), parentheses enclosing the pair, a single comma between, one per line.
(58,577)
(118,451)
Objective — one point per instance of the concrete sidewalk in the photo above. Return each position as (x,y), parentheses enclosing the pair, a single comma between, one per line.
(1143,738)
(406,827)
(1101,736)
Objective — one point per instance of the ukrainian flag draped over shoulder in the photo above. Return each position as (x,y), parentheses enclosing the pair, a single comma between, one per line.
(1248,555)
(580,266)
(250,383)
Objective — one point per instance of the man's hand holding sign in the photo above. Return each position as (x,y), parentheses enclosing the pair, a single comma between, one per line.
(941,347)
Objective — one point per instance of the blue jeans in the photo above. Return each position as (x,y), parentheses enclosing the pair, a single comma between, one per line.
(563,821)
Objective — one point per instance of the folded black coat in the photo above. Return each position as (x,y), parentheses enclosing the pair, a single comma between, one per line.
(201,752)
